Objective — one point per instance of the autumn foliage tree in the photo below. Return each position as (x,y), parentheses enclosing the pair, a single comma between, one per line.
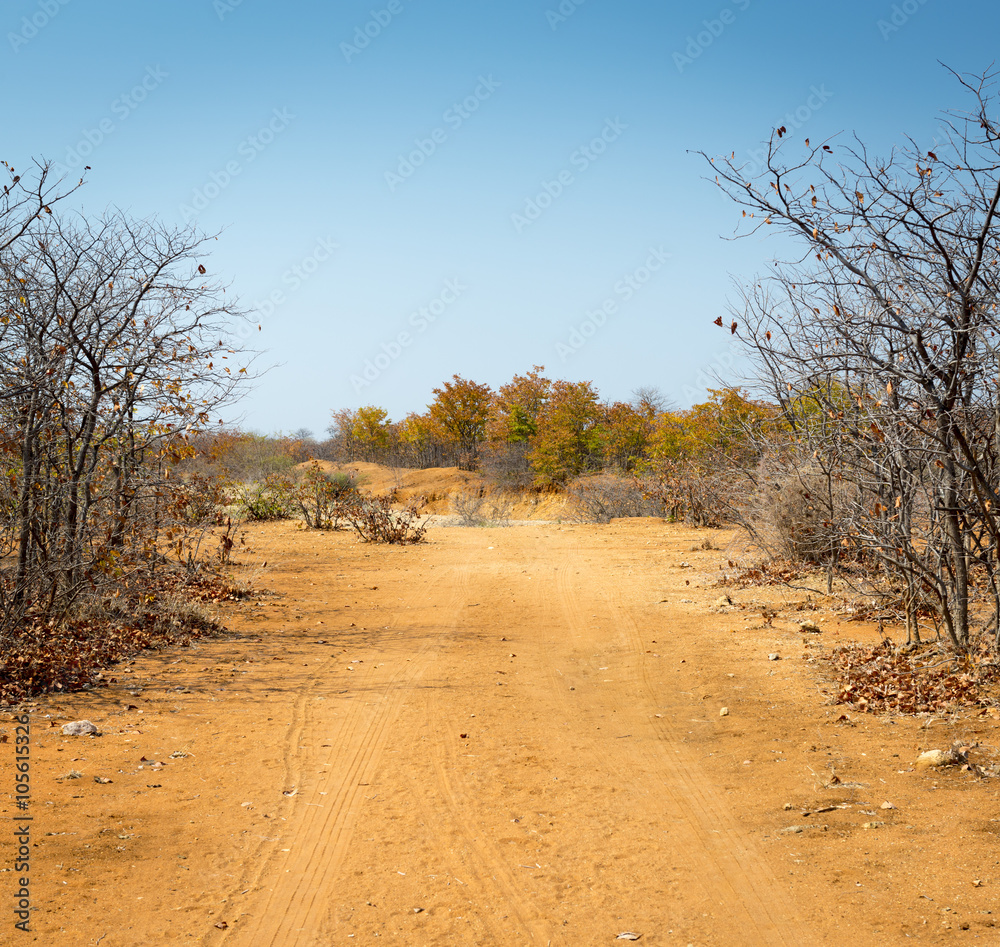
(512,426)
(568,438)
(458,414)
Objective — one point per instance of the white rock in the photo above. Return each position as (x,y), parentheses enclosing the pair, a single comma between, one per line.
(724,712)
(79,728)
(774,657)
(933,758)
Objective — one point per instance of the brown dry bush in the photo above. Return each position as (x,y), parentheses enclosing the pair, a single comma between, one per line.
(375,521)
(77,652)
(600,498)
(483,507)
(325,498)
(807,515)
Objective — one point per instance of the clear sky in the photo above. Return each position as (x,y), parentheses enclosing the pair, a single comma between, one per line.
(482,177)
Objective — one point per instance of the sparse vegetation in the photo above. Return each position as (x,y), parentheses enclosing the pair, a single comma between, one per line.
(487,506)
(375,521)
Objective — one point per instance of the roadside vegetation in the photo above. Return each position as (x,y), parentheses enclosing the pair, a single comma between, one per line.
(863,455)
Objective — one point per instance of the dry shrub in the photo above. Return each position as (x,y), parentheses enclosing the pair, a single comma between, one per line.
(483,507)
(375,521)
(807,513)
(75,653)
(600,498)
(265,500)
(698,495)
(325,498)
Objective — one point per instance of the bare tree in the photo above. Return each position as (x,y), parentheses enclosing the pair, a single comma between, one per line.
(112,343)
(888,323)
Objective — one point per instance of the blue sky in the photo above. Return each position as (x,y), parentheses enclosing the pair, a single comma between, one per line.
(407,189)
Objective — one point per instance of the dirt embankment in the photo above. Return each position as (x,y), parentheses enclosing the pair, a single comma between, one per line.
(502,736)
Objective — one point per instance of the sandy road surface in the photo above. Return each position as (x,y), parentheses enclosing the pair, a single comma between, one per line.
(502,737)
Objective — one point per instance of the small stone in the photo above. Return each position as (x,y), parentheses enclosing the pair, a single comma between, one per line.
(723,602)
(724,712)
(80,728)
(933,758)
(102,779)
(887,805)
(810,628)
(774,656)
(72,774)
(793,829)
(872,825)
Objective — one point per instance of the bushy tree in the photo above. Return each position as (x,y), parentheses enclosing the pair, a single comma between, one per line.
(458,413)
(568,439)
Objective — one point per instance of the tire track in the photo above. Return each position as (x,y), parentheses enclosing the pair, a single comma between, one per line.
(737,879)
(293,910)
(484,860)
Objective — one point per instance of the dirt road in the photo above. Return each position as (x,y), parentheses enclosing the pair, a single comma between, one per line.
(501,737)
